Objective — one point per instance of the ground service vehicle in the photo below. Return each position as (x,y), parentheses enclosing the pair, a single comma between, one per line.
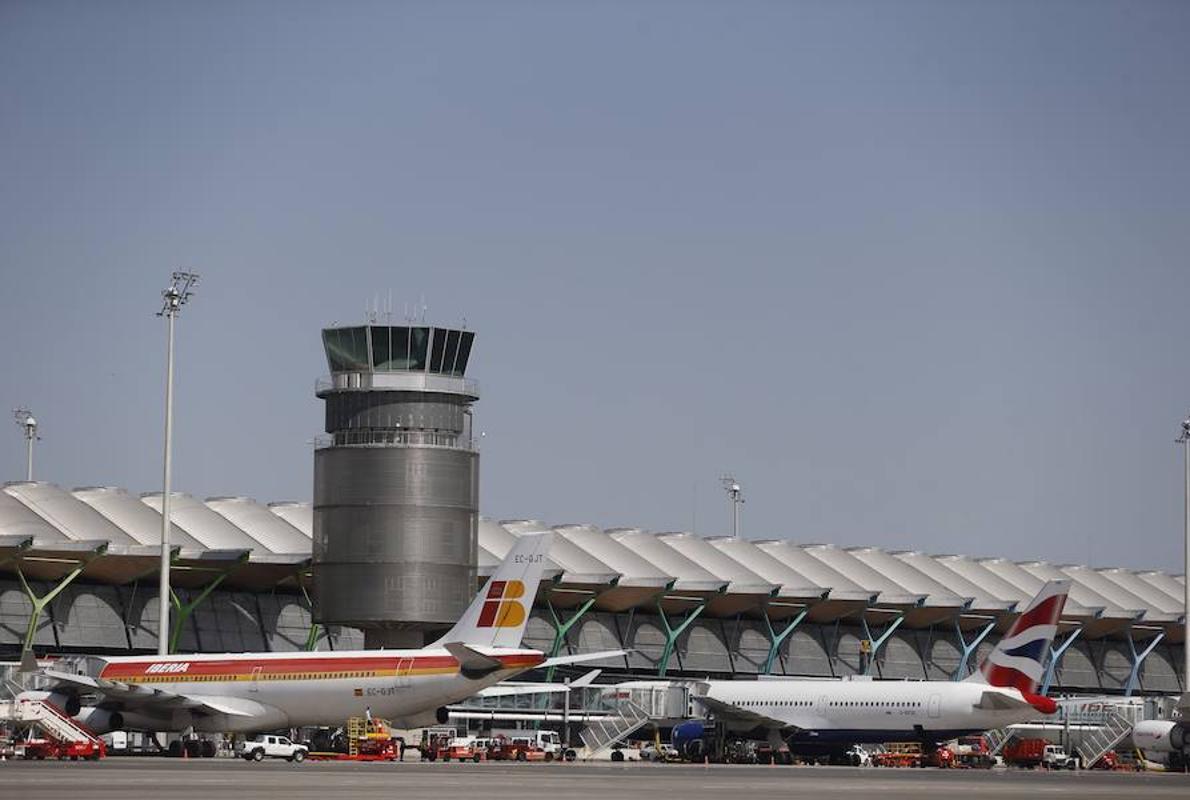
(516,749)
(658,752)
(435,742)
(973,752)
(1033,753)
(549,742)
(266,745)
(463,748)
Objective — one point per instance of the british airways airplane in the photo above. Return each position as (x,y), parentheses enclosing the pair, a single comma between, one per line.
(815,716)
(248,692)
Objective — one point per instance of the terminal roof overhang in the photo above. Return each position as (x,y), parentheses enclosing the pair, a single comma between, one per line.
(47,532)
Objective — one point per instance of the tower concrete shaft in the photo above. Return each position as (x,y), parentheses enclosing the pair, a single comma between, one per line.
(396,482)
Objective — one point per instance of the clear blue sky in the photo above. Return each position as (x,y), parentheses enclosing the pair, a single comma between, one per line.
(918,272)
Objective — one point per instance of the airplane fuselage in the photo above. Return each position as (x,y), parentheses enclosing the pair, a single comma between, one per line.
(266,691)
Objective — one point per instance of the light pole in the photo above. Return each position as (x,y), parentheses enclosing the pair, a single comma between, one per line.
(1184,439)
(735,494)
(174,297)
(26,422)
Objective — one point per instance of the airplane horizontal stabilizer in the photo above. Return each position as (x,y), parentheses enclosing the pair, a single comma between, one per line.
(999,701)
(558,661)
(472,663)
(511,689)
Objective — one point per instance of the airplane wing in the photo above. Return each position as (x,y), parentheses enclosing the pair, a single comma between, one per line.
(507,689)
(739,716)
(557,661)
(999,701)
(139,696)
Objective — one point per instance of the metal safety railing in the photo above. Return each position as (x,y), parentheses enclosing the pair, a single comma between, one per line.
(1097,741)
(396,437)
(996,739)
(52,720)
(602,734)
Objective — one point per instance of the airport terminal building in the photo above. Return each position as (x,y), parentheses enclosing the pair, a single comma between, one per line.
(78,574)
(392,549)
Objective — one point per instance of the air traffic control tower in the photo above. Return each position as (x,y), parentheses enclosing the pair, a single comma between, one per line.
(396,483)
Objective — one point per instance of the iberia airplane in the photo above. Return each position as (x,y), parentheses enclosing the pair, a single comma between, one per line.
(246,692)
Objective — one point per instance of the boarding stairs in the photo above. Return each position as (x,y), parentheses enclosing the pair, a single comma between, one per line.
(997,738)
(1097,741)
(603,733)
(50,719)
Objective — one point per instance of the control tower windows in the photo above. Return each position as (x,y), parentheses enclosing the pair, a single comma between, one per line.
(438,354)
(346,349)
(464,352)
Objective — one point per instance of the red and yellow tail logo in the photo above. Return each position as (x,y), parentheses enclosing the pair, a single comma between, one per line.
(501,608)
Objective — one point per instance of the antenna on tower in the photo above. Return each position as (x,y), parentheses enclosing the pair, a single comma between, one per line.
(26,422)
(735,493)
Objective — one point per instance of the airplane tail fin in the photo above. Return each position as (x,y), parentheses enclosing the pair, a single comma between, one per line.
(1018,661)
(499,613)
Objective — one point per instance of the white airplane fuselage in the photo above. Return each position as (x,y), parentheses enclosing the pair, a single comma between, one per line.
(267,691)
(876,711)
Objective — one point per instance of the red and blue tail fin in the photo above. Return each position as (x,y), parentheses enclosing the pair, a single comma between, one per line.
(499,613)
(1018,661)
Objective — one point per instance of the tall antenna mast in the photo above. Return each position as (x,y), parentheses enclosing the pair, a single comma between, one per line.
(735,494)
(26,422)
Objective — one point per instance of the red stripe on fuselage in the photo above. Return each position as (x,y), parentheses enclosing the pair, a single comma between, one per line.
(240,665)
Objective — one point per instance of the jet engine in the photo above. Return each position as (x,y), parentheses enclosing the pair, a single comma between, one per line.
(100,720)
(1162,736)
(692,739)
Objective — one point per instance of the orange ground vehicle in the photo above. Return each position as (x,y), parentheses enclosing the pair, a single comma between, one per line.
(516,749)
(41,749)
(898,754)
(367,740)
(464,748)
(912,754)
(435,743)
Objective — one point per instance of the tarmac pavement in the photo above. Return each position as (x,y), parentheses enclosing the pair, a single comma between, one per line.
(121,777)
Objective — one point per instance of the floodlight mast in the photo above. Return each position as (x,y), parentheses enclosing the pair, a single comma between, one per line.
(1184,440)
(174,297)
(26,422)
(735,493)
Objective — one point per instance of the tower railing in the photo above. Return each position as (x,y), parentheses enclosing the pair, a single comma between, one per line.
(378,437)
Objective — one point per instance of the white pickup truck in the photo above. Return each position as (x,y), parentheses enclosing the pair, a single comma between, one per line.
(266,745)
